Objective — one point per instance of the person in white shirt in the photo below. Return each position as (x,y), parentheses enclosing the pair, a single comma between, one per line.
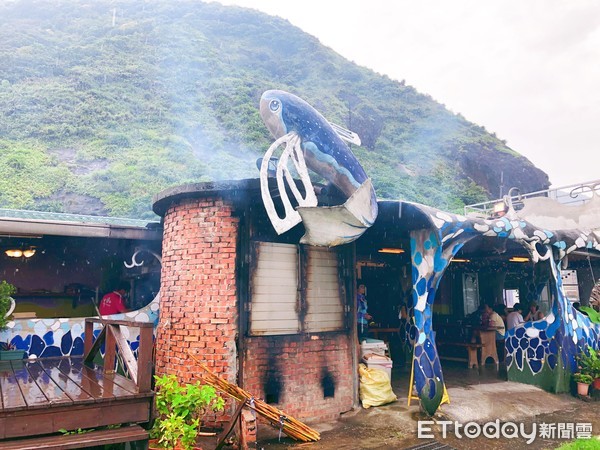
(514,318)
(494,321)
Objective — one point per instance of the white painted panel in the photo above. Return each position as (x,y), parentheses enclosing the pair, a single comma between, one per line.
(274,290)
(325,306)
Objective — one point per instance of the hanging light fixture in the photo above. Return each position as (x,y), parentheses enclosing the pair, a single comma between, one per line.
(29,252)
(18,252)
(395,251)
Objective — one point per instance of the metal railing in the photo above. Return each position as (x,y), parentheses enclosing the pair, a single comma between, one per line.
(574,194)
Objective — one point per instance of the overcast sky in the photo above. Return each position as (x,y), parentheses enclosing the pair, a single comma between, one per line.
(528,70)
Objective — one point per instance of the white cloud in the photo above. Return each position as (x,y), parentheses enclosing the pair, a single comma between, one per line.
(527,70)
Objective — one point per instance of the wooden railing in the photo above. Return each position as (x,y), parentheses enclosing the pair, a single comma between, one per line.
(140,369)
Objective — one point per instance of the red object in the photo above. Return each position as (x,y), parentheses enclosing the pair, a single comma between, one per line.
(596,384)
(112,304)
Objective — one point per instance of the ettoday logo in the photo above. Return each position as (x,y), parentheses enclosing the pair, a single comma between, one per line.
(506,430)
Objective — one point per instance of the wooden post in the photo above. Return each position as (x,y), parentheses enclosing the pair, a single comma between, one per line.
(110,351)
(88,337)
(144,360)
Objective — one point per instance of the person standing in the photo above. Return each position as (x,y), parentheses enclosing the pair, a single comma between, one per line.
(113,302)
(363,316)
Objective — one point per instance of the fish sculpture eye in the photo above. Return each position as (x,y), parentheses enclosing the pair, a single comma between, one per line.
(274,105)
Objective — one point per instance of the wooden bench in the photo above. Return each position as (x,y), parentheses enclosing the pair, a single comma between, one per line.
(471,347)
(83,440)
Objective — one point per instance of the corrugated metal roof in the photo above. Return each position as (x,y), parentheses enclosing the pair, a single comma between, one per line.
(74,218)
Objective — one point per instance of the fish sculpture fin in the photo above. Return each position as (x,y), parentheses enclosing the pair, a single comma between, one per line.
(346,135)
(329,226)
(292,152)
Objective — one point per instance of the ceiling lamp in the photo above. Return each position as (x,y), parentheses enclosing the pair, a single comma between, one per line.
(29,252)
(395,251)
(520,259)
(17,252)
(14,253)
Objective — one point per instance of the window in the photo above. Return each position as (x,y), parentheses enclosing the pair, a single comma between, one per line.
(295,289)
(274,289)
(325,311)
(511,296)
(470,292)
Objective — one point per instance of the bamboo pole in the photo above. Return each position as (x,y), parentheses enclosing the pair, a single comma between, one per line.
(290,426)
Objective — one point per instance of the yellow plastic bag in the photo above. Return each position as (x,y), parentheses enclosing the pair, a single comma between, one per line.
(375,387)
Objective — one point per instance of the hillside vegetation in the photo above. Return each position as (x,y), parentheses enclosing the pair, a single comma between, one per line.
(105,103)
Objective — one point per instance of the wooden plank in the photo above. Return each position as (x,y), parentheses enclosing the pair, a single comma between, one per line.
(127,323)
(92,381)
(110,350)
(69,389)
(90,439)
(271,289)
(125,351)
(230,425)
(32,393)
(110,384)
(323,308)
(280,265)
(71,417)
(274,315)
(271,274)
(12,398)
(93,351)
(269,306)
(274,247)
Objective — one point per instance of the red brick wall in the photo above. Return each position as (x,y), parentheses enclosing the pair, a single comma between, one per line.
(199,312)
(198,309)
(299,363)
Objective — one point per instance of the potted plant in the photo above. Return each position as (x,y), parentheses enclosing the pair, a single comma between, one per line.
(7,305)
(588,363)
(583,383)
(178,409)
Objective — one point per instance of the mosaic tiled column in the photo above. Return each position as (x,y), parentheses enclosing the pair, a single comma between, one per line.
(543,352)
(429,261)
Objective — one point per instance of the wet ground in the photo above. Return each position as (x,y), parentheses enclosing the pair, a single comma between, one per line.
(476,395)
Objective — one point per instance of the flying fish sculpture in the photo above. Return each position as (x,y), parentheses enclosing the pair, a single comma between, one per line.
(309,141)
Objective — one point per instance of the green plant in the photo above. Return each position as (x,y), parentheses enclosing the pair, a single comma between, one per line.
(588,362)
(179,408)
(6,290)
(592,314)
(582,378)
(77,431)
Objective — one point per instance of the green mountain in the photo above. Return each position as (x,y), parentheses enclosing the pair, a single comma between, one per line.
(105,103)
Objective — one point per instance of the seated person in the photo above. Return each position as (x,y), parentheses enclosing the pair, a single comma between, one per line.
(534,313)
(514,318)
(500,309)
(476,317)
(495,321)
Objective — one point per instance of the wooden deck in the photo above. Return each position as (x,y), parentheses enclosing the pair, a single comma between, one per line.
(46,395)
(43,396)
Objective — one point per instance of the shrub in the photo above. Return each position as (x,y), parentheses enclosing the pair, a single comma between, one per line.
(582,378)
(6,290)
(179,409)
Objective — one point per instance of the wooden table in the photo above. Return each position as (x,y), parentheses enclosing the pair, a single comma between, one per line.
(487,337)
(376,331)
